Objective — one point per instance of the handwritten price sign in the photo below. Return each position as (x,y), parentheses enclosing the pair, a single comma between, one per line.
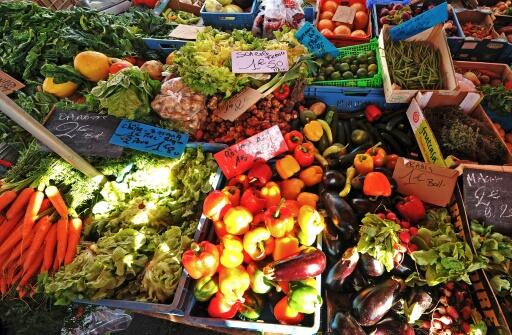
(158,141)
(259,61)
(8,84)
(232,108)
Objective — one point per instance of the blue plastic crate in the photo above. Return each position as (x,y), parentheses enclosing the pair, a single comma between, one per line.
(164,46)
(230,21)
(310,14)
(506,56)
(350,99)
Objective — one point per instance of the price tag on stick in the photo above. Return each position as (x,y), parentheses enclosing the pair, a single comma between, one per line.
(8,84)
(235,106)
(417,24)
(142,137)
(270,61)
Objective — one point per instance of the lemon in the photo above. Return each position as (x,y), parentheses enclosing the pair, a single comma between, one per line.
(63,90)
(92,65)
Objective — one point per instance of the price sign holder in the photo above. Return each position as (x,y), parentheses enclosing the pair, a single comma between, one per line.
(266,61)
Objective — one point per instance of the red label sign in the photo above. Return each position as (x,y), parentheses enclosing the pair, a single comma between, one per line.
(240,157)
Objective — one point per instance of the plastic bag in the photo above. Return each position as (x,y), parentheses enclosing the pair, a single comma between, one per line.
(464,84)
(180,105)
(103,320)
(275,14)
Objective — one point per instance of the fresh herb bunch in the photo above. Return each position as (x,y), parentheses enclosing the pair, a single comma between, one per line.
(498,99)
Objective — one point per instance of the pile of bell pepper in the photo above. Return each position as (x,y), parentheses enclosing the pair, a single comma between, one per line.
(266,225)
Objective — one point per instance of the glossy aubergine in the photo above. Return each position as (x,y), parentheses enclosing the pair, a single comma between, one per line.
(345,324)
(343,268)
(363,205)
(333,180)
(405,267)
(373,303)
(357,182)
(308,263)
(371,266)
(338,210)
(332,242)
(391,326)
(356,282)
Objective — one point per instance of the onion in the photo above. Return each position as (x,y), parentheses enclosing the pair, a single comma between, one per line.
(154,68)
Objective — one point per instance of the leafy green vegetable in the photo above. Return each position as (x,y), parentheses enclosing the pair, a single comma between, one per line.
(127,94)
(62,74)
(379,239)
(498,98)
(444,256)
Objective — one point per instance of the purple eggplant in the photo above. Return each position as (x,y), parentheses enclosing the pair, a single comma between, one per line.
(332,239)
(373,303)
(404,267)
(343,268)
(391,326)
(308,263)
(340,212)
(371,266)
(345,324)
(356,282)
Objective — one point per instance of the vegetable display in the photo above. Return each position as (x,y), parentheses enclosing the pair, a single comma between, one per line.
(364,65)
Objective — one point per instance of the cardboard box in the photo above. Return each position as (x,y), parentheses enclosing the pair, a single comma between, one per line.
(427,142)
(436,37)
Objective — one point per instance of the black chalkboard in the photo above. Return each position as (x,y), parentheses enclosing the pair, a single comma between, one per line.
(488,198)
(86,133)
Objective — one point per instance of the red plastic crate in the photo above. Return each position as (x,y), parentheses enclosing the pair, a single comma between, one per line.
(344,41)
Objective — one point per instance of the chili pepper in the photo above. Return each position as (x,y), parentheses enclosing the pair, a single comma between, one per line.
(148,3)
(304,298)
(215,205)
(233,282)
(202,260)
(351,173)
(313,131)
(232,248)
(282,92)
(253,200)
(307,198)
(237,220)
(411,208)
(259,284)
(254,243)
(287,166)
(285,314)
(260,174)
(305,154)
(252,307)
(220,228)
(272,193)
(376,184)
(290,188)
(279,220)
(241,181)
(363,163)
(221,308)
(312,175)
(311,224)
(233,194)
(372,113)
(293,139)
(285,246)
(391,161)
(206,287)
(293,206)
(378,155)
(5,163)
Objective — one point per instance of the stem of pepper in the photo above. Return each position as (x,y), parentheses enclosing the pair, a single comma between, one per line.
(278,210)
(195,248)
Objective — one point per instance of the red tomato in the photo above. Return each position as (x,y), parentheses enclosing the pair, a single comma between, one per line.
(118,66)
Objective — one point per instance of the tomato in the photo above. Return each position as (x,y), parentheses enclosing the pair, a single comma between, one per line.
(326,15)
(118,66)
(327,33)
(330,6)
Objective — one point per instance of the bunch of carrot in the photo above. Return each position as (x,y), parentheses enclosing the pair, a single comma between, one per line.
(36,236)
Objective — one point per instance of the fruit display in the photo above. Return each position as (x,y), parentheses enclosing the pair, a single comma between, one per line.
(362,65)
(502,8)
(336,30)
(477,30)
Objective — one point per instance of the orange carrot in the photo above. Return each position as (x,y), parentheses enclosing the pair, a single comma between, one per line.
(33,268)
(2,220)
(3,285)
(56,264)
(42,228)
(34,204)
(6,198)
(49,249)
(75,231)
(20,249)
(62,239)
(57,201)
(45,205)
(11,241)
(8,227)
(21,201)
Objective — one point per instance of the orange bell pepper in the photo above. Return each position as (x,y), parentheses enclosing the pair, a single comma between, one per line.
(376,184)
(293,206)
(272,193)
(285,246)
(363,163)
(201,260)
(307,198)
(220,229)
(312,175)
(232,248)
(285,314)
(313,131)
(237,220)
(290,188)
(287,166)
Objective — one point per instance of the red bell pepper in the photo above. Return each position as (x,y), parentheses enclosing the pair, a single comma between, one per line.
(293,139)
(279,220)
(253,200)
(148,3)
(391,161)
(215,205)
(508,85)
(241,181)
(260,174)
(201,260)
(222,308)
(305,154)
(378,155)
(233,194)
(282,92)
(372,113)
(376,184)
(411,208)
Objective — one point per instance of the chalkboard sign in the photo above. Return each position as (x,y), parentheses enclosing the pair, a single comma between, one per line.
(488,198)
(86,133)
(142,137)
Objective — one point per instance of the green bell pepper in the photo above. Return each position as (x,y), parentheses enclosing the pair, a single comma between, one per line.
(303,297)
(252,307)
(206,287)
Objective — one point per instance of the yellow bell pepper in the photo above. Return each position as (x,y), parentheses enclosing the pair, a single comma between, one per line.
(233,282)
(311,223)
(287,166)
(232,251)
(313,131)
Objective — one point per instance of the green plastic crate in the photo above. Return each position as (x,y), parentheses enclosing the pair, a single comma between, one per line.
(375,81)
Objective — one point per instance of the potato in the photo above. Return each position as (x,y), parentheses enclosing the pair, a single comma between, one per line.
(318,108)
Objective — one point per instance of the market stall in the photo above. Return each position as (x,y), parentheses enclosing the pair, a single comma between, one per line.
(281,167)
